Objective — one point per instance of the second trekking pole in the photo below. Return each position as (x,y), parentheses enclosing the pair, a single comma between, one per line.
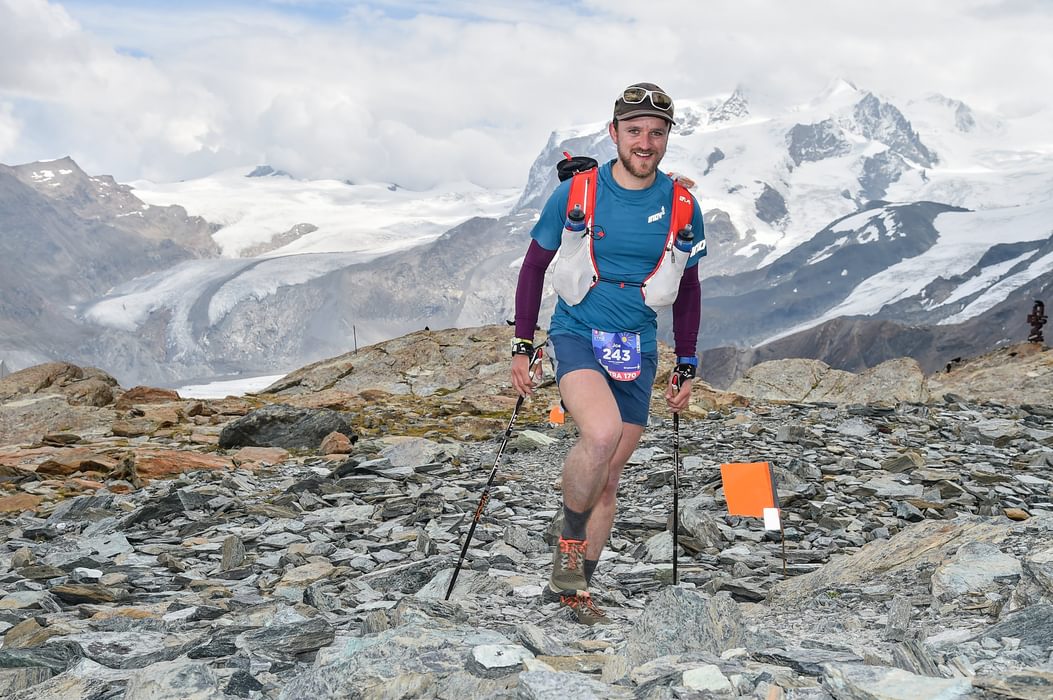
(535,361)
(676,479)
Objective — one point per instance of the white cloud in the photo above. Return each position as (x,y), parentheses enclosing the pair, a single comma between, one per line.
(10,128)
(423,91)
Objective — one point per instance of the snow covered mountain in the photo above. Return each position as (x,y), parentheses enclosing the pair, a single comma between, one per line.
(921,214)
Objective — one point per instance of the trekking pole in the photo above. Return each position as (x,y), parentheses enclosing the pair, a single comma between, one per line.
(676,479)
(535,361)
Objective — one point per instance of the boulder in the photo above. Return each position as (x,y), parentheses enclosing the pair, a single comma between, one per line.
(280,425)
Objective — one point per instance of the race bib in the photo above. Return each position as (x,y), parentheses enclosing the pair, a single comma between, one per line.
(618,353)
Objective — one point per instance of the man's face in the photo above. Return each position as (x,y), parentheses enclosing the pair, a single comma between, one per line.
(641,144)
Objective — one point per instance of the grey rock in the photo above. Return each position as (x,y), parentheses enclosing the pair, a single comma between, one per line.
(1039,566)
(284,642)
(1026,684)
(173,680)
(707,678)
(555,685)
(679,620)
(497,660)
(540,642)
(975,567)
(1033,626)
(13,680)
(859,682)
(138,649)
(807,661)
(413,452)
(233,553)
(418,657)
(898,622)
(280,425)
(57,657)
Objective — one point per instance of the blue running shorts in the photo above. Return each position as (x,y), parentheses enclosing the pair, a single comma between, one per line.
(570,352)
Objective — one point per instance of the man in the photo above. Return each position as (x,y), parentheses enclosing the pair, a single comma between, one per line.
(609,399)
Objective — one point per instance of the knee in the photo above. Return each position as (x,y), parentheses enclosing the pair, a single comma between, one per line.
(609,496)
(601,443)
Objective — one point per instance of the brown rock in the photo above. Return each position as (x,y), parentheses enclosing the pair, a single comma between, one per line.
(144,395)
(27,634)
(232,406)
(32,380)
(248,456)
(165,416)
(60,439)
(336,444)
(134,427)
(374,395)
(89,392)
(84,484)
(19,502)
(158,464)
(87,593)
(25,419)
(1016,514)
(70,461)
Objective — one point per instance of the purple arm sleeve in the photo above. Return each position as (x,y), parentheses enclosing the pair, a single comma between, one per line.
(687,312)
(531,284)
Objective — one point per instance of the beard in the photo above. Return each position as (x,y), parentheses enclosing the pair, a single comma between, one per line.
(642,170)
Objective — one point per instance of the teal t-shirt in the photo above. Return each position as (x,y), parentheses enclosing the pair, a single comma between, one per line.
(630,229)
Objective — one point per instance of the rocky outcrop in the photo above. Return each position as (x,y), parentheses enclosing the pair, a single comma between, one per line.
(815,382)
(916,555)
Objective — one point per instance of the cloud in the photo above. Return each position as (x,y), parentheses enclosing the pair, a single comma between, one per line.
(421,91)
(10,128)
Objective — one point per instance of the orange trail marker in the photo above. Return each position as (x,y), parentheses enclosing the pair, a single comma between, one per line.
(749,489)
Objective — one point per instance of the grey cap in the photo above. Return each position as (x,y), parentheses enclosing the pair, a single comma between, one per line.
(645,108)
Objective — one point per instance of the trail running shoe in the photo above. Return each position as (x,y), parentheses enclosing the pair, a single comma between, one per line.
(568,569)
(586,609)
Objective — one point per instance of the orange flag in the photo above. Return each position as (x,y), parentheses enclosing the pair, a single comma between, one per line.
(750,491)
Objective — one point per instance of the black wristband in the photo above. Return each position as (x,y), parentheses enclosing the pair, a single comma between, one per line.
(685,371)
(522,347)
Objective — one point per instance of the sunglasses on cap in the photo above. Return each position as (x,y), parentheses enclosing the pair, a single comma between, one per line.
(636,95)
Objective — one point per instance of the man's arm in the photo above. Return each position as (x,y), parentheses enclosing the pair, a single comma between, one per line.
(528,306)
(687,313)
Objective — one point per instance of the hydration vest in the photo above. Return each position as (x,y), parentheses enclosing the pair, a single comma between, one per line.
(576,272)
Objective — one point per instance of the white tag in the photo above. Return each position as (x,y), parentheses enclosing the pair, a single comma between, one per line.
(771,519)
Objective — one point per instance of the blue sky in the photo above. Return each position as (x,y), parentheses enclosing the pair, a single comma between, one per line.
(425,91)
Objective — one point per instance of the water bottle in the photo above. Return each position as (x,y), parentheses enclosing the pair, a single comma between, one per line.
(575,219)
(685,238)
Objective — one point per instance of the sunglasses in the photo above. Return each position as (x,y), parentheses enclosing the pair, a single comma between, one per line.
(636,95)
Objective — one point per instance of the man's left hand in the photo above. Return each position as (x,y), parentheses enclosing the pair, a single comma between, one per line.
(678,400)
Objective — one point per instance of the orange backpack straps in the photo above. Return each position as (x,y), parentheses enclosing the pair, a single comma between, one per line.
(683,208)
(583,193)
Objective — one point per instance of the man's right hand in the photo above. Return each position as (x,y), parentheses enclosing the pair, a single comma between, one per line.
(522,381)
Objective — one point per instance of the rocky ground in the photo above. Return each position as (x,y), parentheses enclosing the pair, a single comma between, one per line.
(154,547)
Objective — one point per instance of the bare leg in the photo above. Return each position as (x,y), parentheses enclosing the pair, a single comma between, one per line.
(603,512)
(586,468)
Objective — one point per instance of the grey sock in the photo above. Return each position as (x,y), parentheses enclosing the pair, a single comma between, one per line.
(574,523)
(590,569)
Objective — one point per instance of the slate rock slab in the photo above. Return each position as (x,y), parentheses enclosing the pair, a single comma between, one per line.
(174,680)
(859,682)
(680,620)
(280,425)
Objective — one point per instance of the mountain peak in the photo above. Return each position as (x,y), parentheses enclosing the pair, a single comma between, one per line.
(267,171)
(838,86)
(735,107)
